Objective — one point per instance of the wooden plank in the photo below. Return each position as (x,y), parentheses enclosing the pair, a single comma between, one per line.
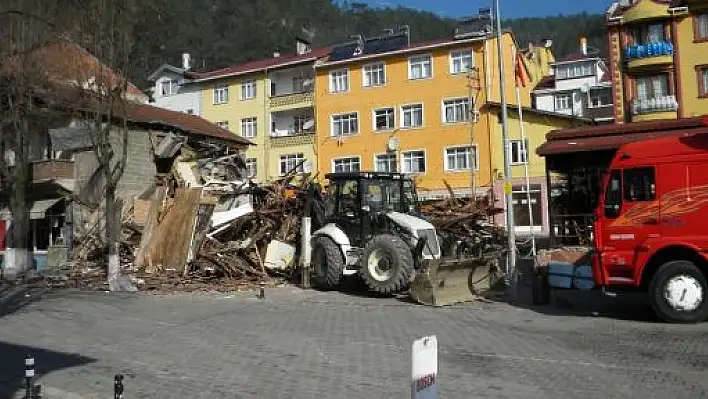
(150,227)
(200,230)
(174,235)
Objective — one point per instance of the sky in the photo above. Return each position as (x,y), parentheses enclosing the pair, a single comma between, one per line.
(509,8)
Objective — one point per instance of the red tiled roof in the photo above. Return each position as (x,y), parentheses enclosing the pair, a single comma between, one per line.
(73,63)
(609,137)
(191,124)
(258,65)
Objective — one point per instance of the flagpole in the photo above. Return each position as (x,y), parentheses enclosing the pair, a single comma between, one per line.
(510,275)
(518,75)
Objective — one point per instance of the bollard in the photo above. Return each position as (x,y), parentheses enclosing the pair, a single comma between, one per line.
(261,292)
(29,376)
(118,386)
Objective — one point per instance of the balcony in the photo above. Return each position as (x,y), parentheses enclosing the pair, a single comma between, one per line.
(52,169)
(663,107)
(284,102)
(647,55)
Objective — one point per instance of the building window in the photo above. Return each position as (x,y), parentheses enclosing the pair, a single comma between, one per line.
(600,98)
(563,102)
(461,61)
(221,95)
(292,162)
(345,124)
(248,90)
(651,33)
(223,124)
(374,75)
(456,110)
(414,162)
(169,87)
(385,163)
(520,201)
(249,127)
(517,151)
(650,87)
(639,184)
(339,81)
(412,115)
(299,84)
(384,119)
(577,70)
(701,27)
(251,167)
(703,81)
(351,164)
(420,67)
(461,158)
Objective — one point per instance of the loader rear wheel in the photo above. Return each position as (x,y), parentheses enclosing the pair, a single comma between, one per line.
(679,293)
(327,263)
(386,264)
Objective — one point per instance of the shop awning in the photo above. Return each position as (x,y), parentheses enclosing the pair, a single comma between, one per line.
(38,210)
(611,137)
(604,143)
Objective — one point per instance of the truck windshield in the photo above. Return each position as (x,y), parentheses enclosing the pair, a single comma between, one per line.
(613,195)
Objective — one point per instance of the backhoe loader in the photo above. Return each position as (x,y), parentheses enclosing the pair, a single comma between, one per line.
(373,228)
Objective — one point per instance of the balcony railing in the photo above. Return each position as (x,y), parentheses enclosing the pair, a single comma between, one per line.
(648,50)
(656,104)
(292,99)
(291,132)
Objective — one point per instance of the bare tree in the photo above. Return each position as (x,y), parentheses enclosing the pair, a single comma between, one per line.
(96,93)
(24,115)
(108,31)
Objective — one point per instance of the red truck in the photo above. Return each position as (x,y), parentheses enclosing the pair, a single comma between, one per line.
(650,229)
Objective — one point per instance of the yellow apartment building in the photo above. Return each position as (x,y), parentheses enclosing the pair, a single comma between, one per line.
(385,104)
(536,125)
(659,58)
(270,102)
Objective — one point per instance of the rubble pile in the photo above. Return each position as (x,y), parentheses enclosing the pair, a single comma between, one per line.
(464,224)
(198,228)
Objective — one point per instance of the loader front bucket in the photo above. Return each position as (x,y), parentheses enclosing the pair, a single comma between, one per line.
(445,282)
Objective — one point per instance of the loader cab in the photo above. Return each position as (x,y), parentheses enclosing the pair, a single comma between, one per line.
(359,198)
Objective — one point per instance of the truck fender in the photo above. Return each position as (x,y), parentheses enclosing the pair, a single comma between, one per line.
(658,253)
(336,234)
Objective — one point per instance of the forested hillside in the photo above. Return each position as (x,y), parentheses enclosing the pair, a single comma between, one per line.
(219,33)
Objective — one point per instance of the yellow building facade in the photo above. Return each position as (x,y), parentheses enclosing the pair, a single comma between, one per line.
(659,59)
(270,102)
(418,110)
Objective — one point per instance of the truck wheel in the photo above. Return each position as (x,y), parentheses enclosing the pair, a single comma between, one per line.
(678,293)
(386,264)
(327,263)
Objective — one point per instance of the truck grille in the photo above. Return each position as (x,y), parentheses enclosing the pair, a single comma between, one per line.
(431,248)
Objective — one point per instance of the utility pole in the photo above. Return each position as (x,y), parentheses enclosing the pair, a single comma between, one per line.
(511,275)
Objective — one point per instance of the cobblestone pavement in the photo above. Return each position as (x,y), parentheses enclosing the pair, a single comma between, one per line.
(309,344)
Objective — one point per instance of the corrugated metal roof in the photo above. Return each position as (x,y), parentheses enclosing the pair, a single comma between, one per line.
(628,128)
(609,142)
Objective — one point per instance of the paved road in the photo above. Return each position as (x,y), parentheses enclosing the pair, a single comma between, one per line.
(309,344)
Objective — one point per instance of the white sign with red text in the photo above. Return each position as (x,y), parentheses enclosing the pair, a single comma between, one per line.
(424,370)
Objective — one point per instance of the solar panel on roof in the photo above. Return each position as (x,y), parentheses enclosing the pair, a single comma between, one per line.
(385,44)
(342,52)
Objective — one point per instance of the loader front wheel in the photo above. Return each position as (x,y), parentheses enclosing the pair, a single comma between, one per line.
(327,263)
(386,264)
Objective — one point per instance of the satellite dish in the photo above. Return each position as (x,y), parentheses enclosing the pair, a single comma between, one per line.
(393,143)
(309,124)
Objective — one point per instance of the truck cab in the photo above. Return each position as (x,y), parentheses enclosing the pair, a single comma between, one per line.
(650,231)
(650,226)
